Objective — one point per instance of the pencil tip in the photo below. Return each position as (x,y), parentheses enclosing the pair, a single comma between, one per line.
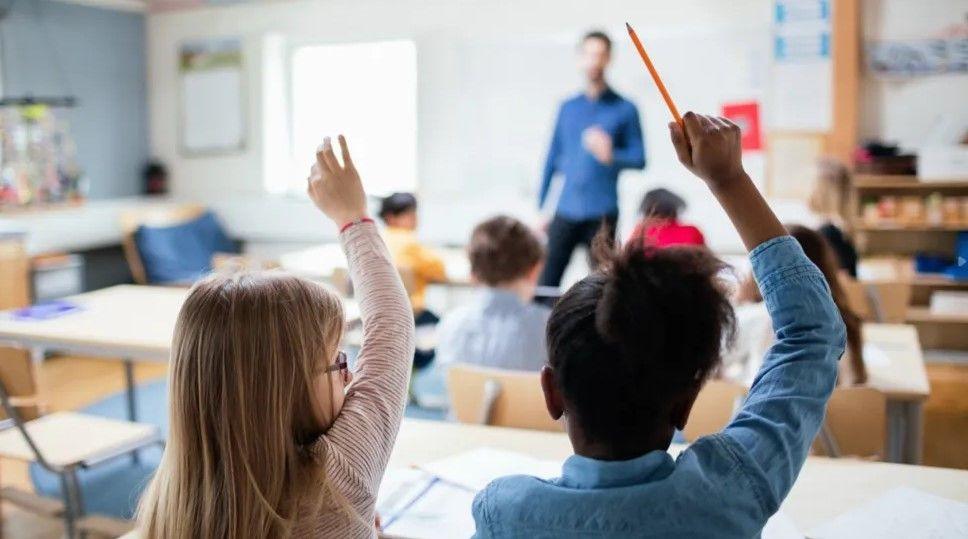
(628,26)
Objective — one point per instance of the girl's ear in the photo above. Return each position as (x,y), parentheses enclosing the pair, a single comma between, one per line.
(553,399)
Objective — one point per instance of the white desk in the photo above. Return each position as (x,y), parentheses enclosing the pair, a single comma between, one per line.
(129,322)
(825,488)
(895,366)
(321,261)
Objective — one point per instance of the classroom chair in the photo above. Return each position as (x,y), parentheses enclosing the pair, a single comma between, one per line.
(498,397)
(62,443)
(885,302)
(177,244)
(855,424)
(715,406)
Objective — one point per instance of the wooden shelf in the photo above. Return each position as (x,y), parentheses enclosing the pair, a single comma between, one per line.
(911,228)
(937,279)
(871,182)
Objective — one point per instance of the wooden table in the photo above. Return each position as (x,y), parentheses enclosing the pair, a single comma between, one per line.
(129,322)
(895,366)
(947,331)
(825,488)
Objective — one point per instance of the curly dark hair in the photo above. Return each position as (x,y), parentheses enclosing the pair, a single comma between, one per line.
(632,338)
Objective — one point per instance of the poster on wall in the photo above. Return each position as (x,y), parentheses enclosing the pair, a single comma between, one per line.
(212,108)
(916,58)
(801,96)
(746,114)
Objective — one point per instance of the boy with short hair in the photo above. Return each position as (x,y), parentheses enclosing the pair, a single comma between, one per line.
(502,328)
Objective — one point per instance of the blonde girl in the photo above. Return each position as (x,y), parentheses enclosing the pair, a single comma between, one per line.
(830,202)
(268,436)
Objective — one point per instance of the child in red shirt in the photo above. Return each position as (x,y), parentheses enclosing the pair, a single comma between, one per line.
(659,226)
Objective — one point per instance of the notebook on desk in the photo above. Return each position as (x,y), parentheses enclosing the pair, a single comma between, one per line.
(434,500)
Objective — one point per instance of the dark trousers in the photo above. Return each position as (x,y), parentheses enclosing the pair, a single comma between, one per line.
(563,236)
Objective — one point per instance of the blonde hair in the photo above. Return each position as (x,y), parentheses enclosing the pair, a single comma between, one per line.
(831,192)
(246,350)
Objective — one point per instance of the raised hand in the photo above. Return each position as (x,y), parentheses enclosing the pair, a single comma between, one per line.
(713,152)
(710,148)
(336,189)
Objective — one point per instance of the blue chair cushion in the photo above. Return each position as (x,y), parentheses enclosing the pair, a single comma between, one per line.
(181,253)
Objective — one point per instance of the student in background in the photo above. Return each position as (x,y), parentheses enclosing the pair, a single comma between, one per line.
(754,332)
(502,327)
(629,348)
(830,201)
(268,438)
(659,225)
(417,264)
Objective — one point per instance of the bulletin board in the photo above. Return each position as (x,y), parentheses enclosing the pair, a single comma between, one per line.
(212,105)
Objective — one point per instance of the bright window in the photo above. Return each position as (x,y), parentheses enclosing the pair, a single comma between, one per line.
(366,91)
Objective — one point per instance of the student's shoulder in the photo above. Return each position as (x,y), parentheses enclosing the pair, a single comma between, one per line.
(719,461)
(538,313)
(509,495)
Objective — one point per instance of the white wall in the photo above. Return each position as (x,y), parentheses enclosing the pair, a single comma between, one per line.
(904,111)
(490,76)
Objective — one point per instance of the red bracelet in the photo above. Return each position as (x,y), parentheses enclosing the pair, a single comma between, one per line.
(351,223)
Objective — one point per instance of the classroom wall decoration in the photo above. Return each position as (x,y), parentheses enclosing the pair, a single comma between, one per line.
(212,115)
(746,115)
(802,91)
(37,157)
(921,57)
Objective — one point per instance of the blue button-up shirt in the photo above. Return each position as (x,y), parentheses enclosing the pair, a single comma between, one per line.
(497,330)
(724,485)
(591,188)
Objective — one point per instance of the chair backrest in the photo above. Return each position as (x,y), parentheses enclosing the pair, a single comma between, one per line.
(885,302)
(856,424)
(19,383)
(14,274)
(715,406)
(498,397)
(160,216)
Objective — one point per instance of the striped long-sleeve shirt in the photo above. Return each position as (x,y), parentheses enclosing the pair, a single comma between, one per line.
(356,448)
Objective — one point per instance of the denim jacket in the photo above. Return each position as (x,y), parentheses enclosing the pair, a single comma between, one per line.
(724,485)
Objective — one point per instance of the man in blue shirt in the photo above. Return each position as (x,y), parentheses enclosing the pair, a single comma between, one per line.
(597,134)
(628,352)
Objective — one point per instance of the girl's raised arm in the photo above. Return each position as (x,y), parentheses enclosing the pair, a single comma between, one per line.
(365,429)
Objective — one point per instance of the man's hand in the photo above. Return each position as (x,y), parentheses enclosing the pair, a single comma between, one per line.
(712,151)
(336,189)
(598,143)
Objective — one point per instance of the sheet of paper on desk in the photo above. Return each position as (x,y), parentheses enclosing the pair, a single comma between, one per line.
(475,469)
(780,526)
(900,513)
(414,504)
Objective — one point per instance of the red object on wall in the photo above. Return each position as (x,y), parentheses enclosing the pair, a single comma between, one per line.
(746,115)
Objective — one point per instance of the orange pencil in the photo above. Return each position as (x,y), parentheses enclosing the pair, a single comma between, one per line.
(655,75)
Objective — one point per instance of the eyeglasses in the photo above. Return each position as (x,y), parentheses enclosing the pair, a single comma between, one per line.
(341,365)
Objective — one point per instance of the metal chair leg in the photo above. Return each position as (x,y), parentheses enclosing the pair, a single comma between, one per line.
(70,515)
(75,487)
